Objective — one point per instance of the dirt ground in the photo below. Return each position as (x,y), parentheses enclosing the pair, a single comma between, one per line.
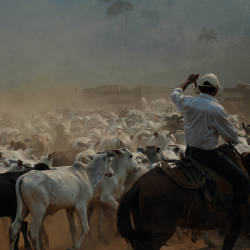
(59,236)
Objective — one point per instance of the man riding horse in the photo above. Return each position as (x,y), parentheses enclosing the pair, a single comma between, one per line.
(204,120)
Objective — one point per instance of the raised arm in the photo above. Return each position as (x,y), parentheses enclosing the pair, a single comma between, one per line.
(177,96)
(191,79)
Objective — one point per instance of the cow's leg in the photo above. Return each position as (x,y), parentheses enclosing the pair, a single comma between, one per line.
(16,226)
(82,214)
(35,228)
(110,201)
(100,220)
(24,230)
(104,212)
(44,238)
(72,226)
(17,240)
(91,208)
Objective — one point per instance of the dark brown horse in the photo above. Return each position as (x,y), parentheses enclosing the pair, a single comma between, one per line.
(150,211)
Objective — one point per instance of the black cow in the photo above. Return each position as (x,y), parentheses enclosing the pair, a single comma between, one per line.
(8,203)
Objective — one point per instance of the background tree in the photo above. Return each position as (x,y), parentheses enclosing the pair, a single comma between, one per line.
(120,8)
(208,35)
(151,16)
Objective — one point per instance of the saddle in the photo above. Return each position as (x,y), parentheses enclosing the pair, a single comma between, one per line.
(187,173)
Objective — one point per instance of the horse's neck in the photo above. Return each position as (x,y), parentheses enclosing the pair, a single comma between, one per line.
(234,157)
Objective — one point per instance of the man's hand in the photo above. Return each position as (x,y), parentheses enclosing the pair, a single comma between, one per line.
(191,79)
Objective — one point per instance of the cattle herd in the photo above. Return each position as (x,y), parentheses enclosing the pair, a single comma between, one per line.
(85,158)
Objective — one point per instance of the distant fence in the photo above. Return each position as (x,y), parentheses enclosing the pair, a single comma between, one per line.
(237,99)
(116,96)
(120,96)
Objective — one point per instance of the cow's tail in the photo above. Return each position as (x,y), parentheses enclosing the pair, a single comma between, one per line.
(20,205)
(18,222)
(124,224)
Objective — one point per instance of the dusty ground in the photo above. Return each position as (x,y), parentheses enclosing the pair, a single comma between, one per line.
(60,237)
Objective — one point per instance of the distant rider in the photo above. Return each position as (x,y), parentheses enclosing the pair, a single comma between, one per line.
(204,120)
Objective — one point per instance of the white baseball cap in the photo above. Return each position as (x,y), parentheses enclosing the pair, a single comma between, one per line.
(209,79)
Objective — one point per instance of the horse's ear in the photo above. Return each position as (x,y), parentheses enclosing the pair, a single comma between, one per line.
(182,155)
(19,163)
(50,157)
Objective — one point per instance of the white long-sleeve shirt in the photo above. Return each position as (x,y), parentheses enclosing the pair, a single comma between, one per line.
(204,120)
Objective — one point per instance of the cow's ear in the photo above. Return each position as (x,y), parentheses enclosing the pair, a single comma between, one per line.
(156,134)
(141,150)
(176,150)
(117,151)
(243,125)
(19,163)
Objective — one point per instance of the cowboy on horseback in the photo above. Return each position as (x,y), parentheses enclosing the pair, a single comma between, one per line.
(204,121)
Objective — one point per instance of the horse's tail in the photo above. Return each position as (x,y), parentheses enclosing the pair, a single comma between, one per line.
(124,224)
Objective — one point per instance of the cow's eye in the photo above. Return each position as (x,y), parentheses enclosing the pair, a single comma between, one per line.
(131,156)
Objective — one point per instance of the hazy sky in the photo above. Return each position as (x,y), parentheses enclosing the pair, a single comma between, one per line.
(73,42)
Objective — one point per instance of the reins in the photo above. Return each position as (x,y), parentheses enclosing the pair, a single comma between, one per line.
(234,149)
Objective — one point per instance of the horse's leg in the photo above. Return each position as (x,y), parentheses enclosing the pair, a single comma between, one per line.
(24,230)
(232,233)
(72,226)
(207,241)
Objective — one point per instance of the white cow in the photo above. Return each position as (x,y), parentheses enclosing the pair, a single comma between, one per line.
(66,188)
(109,142)
(110,190)
(143,163)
